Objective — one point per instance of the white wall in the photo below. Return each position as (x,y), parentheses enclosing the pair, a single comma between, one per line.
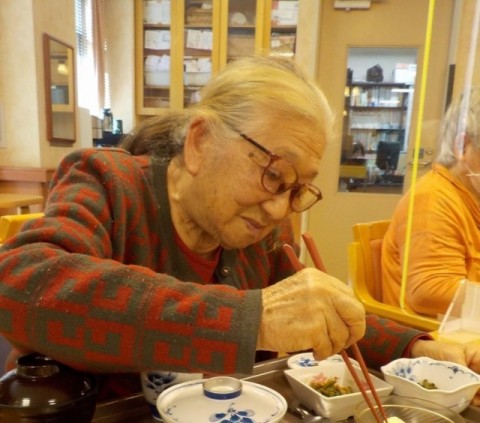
(22,90)
(19,84)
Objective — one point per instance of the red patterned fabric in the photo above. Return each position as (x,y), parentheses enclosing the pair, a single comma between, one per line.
(96,284)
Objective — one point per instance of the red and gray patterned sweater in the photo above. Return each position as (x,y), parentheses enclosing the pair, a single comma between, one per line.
(100,284)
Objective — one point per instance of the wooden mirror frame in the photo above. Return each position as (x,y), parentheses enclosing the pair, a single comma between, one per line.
(60,102)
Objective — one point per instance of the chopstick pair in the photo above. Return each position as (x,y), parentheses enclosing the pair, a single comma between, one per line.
(317,260)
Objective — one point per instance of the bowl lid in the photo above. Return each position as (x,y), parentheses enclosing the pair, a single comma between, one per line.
(221,399)
(39,382)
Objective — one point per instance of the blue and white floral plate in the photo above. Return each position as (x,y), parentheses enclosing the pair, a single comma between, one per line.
(188,403)
(303,360)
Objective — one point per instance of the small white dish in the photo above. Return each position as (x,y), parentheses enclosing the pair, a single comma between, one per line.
(456,385)
(156,381)
(221,400)
(336,407)
(302,360)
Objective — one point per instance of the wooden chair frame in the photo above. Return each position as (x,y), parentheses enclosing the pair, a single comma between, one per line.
(10,224)
(364,268)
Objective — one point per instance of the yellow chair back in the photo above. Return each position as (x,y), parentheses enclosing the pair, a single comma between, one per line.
(10,224)
(364,268)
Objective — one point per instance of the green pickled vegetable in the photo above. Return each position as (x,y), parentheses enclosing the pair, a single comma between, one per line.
(425,383)
(329,387)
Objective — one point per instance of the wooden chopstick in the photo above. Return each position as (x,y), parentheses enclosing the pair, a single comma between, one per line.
(296,263)
(359,383)
(318,262)
(366,374)
(314,253)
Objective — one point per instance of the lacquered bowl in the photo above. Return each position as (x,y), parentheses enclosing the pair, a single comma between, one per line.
(43,390)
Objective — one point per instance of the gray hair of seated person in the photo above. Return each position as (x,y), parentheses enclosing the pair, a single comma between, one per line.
(462,117)
(252,92)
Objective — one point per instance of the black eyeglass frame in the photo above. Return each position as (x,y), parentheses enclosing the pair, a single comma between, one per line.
(294,187)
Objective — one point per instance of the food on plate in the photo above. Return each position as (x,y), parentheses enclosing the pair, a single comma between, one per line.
(395,420)
(425,383)
(329,386)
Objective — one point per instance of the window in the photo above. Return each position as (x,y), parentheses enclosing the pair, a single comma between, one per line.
(93,86)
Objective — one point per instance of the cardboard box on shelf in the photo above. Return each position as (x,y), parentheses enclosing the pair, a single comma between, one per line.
(199,13)
(282,44)
(240,45)
(156,102)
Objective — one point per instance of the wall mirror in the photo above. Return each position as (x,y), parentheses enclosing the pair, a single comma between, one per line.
(59,90)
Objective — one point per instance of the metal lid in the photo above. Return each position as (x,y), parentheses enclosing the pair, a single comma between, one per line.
(222,387)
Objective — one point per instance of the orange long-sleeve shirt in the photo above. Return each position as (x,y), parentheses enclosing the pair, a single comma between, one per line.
(445,244)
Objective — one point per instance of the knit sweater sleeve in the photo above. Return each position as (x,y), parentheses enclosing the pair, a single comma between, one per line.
(80,285)
(386,340)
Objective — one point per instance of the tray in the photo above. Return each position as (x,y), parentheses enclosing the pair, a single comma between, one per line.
(268,373)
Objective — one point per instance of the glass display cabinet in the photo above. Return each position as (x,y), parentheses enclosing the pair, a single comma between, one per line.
(181,44)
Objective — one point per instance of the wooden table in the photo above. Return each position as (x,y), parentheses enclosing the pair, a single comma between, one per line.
(20,201)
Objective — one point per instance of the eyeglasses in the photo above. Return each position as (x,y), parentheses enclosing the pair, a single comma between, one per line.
(279,176)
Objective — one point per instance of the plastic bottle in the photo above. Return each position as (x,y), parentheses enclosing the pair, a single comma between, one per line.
(107,120)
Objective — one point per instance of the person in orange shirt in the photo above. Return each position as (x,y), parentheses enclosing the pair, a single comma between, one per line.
(445,236)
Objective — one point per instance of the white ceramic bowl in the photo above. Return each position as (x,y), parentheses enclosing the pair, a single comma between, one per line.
(221,399)
(306,359)
(339,407)
(456,384)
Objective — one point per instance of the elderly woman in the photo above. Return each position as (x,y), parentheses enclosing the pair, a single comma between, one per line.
(167,254)
(445,240)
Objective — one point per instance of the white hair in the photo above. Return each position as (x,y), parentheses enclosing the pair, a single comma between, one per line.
(462,118)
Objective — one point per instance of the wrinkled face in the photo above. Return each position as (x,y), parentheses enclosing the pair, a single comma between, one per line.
(227,198)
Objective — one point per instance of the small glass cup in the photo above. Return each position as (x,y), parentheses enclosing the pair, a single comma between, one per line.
(154,382)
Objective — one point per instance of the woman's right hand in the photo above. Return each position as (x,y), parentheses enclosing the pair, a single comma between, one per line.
(310,310)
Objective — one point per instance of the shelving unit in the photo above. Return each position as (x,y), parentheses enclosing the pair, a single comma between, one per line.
(376,114)
(180,44)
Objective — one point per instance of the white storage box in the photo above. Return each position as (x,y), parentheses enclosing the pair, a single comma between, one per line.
(284,12)
(405,73)
(196,78)
(157,78)
(156,12)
